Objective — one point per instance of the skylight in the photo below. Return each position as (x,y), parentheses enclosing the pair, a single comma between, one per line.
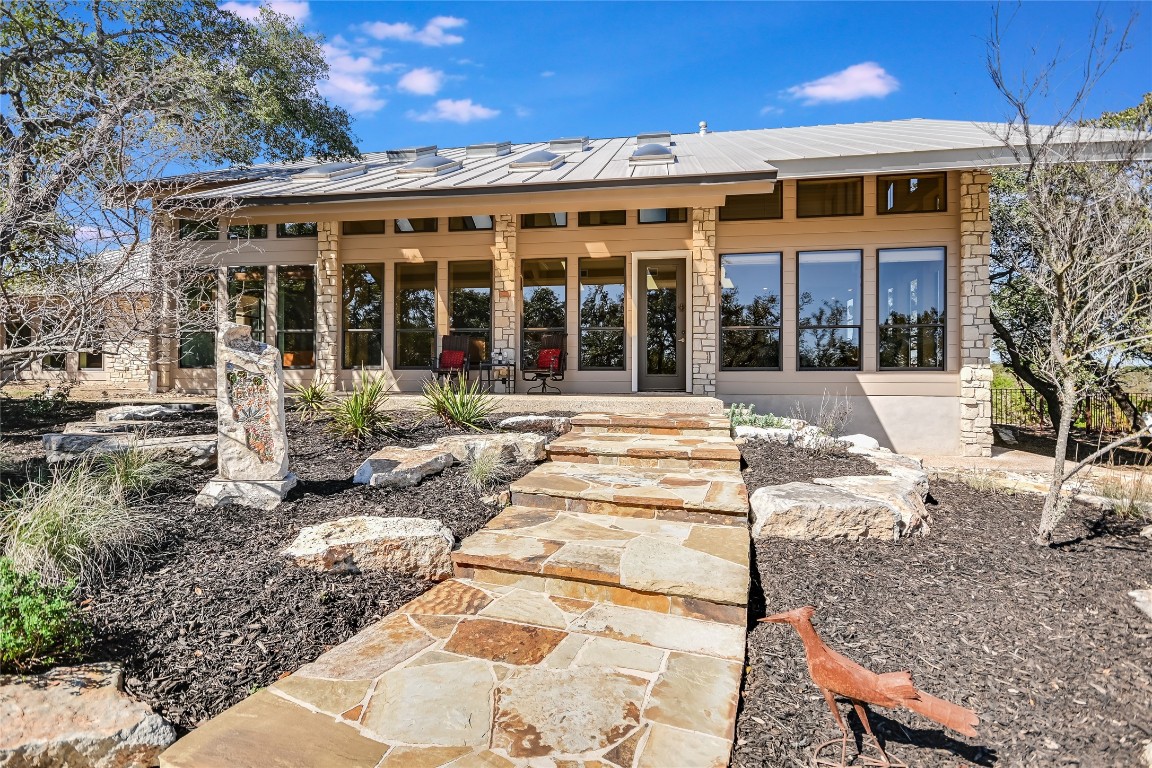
(493,149)
(663,138)
(574,144)
(329,171)
(411,153)
(652,154)
(540,160)
(429,165)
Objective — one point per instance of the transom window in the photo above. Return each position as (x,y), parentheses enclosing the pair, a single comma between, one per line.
(829,197)
(362,299)
(746,207)
(199,230)
(544,303)
(662,215)
(828,309)
(297,229)
(404,226)
(470,305)
(543,220)
(750,308)
(912,193)
(602,313)
(415,317)
(296,315)
(911,307)
(602,218)
(469,223)
(248,232)
(365,227)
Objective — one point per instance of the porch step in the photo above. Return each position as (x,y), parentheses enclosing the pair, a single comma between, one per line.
(710,496)
(653,424)
(675,559)
(644,450)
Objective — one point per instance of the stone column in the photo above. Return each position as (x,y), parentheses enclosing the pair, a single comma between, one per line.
(327,301)
(975,310)
(504,316)
(702,278)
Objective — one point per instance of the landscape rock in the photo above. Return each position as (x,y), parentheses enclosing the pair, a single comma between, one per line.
(396,467)
(1146,531)
(95,428)
(902,493)
(144,412)
(861,442)
(1143,600)
(77,717)
(514,447)
(532,423)
(184,450)
(257,494)
(807,511)
(808,438)
(1007,435)
(409,545)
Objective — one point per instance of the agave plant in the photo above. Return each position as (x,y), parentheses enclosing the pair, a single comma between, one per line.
(458,403)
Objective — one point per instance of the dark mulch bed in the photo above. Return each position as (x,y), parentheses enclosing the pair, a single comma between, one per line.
(216,613)
(768,463)
(1043,643)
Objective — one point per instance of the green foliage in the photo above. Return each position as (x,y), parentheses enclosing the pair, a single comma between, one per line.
(39,625)
(131,473)
(48,401)
(458,403)
(310,400)
(488,470)
(743,415)
(362,414)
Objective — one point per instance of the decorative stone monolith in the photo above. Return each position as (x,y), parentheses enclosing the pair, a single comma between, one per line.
(252,444)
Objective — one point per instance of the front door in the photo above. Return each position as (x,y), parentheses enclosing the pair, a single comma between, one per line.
(661,300)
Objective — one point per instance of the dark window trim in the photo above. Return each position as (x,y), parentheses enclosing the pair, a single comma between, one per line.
(943,326)
(580,218)
(435,226)
(344,329)
(880,183)
(519,353)
(859,327)
(801,182)
(248,235)
(779,186)
(314,330)
(473,229)
(204,230)
(397,331)
(720,319)
(687,216)
(580,327)
(453,330)
(345,233)
(280,232)
(543,226)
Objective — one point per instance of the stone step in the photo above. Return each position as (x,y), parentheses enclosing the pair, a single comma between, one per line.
(653,424)
(713,496)
(644,450)
(651,557)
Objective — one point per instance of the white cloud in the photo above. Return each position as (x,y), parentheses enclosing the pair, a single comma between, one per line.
(349,82)
(297,9)
(423,81)
(434,33)
(866,80)
(771,110)
(456,111)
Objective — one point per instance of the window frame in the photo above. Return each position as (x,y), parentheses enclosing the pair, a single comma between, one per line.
(210,280)
(581,328)
(345,233)
(777,192)
(943,175)
(202,230)
(685,220)
(779,328)
(248,232)
(451,219)
(396,230)
(800,183)
(524,330)
(345,330)
(858,326)
(397,330)
(81,356)
(523,219)
(584,218)
(452,329)
(943,325)
(281,232)
(280,331)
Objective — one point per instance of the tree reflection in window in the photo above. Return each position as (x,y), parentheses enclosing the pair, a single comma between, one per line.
(363,302)
(415,315)
(602,313)
(911,307)
(544,304)
(470,305)
(829,309)
(750,311)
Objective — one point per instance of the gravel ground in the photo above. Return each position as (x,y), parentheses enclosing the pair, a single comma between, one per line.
(1043,643)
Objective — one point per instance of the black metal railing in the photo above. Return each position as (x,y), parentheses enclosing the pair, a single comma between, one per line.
(1019,407)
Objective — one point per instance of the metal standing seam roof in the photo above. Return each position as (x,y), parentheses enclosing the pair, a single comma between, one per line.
(715,157)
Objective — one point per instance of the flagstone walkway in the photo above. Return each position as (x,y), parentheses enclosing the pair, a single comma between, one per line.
(597,622)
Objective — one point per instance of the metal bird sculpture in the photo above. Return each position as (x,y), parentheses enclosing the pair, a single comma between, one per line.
(837,675)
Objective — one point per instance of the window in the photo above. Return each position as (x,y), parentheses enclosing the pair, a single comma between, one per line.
(197,348)
(296,315)
(246,298)
(415,315)
(370,227)
(199,230)
(544,304)
(362,299)
(745,207)
(543,220)
(828,309)
(416,225)
(298,229)
(662,215)
(248,232)
(54,362)
(91,361)
(829,197)
(470,305)
(912,194)
(911,307)
(750,311)
(601,218)
(469,223)
(602,314)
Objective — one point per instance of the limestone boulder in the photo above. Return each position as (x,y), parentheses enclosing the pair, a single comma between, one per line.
(515,447)
(807,437)
(408,545)
(1143,600)
(78,717)
(396,467)
(808,511)
(899,466)
(901,492)
(861,442)
(144,412)
(532,423)
(197,451)
(257,494)
(249,407)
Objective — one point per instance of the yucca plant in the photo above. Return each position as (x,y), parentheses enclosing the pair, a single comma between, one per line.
(458,403)
(310,400)
(362,414)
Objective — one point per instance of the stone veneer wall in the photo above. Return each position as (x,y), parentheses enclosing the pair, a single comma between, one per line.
(975,310)
(327,301)
(705,343)
(504,317)
(130,366)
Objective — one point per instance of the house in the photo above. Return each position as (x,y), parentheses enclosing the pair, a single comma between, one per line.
(772,267)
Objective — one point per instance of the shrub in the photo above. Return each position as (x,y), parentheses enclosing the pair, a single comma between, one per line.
(488,470)
(831,417)
(48,401)
(458,403)
(310,400)
(39,625)
(130,474)
(1131,496)
(74,526)
(745,416)
(362,414)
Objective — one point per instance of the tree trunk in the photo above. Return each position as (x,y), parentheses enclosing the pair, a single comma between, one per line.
(1053,509)
(1022,368)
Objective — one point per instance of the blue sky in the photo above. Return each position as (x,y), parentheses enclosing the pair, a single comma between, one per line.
(458,73)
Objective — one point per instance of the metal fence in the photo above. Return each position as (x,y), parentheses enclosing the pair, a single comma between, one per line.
(1097,413)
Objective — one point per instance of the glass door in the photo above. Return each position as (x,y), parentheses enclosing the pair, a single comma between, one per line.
(662,332)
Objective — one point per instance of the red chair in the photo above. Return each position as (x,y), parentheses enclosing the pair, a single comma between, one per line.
(453,359)
(551,360)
